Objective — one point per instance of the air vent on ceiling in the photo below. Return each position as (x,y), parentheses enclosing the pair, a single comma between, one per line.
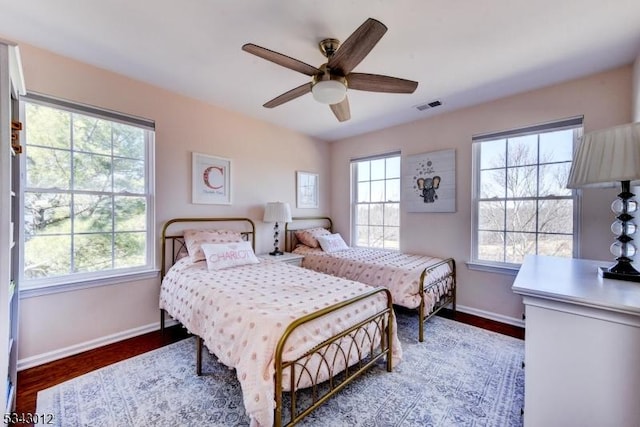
(428,105)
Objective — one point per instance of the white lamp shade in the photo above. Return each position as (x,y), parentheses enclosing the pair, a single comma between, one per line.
(607,157)
(277,212)
(329,91)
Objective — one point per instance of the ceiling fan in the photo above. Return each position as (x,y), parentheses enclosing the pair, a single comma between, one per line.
(330,81)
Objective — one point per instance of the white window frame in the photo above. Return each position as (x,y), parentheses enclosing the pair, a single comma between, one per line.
(512,268)
(354,196)
(73,281)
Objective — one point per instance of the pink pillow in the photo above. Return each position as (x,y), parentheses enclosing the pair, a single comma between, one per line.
(309,237)
(225,255)
(194,239)
(332,243)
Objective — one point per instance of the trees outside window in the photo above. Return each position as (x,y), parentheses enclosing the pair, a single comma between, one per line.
(87,194)
(520,203)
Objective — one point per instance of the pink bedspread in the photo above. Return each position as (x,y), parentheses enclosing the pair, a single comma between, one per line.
(241,313)
(396,271)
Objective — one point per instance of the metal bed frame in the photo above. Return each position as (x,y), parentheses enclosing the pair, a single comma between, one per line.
(423,316)
(371,340)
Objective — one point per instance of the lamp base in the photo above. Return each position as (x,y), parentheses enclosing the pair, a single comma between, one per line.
(276,252)
(632,276)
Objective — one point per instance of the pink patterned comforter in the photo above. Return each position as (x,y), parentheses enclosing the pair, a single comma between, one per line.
(396,271)
(241,313)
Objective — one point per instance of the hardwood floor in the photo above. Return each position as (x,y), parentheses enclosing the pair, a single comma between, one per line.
(32,380)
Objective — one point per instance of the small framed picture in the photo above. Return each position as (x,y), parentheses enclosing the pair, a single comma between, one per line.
(211,180)
(307,190)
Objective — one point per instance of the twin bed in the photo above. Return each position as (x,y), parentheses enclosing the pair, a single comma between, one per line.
(420,282)
(283,328)
(295,336)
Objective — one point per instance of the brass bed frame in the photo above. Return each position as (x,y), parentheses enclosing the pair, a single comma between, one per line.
(371,339)
(445,300)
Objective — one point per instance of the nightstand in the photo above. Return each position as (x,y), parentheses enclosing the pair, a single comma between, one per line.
(288,257)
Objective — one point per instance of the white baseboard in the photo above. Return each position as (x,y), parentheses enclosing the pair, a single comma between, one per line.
(491,316)
(50,356)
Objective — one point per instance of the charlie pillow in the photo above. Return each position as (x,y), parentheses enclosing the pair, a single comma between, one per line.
(225,255)
(332,243)
(194,239)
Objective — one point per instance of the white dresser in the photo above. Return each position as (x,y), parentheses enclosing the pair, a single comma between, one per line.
(582,345)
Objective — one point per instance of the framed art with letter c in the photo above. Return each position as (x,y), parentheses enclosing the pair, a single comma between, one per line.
(211,180)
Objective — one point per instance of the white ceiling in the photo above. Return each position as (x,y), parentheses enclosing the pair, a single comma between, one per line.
(461,52)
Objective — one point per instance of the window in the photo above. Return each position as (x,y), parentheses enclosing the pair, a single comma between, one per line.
(376,202)
(520,203)
(87,193)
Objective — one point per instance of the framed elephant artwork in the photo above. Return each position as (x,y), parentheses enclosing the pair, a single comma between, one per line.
(429,182)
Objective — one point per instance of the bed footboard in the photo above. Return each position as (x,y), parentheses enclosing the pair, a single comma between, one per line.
(449,297)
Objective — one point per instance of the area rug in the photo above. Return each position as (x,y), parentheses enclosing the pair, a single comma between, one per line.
(459,376)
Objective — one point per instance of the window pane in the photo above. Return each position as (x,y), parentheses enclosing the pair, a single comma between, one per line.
(376,216)
(48,168)
(392,238)
(556,146)
(48,127)
(393,190)
(521,215)
(555,216)
(377,169)
(130,249)
(92,213)
(522,150)
(522,181)
(362,214)
(491,216)
(376,237)
(393,167)
(377,191)
(47,256)
(46,213)
(392,214)
(553,179)
(91,135)
(519,245)
(128,141)
(493,154)
(128,175)
(363,192)
(490,246)
(492,184)
(130,214)
(91,172)
(363,170)
(555,245)
(92,252)
(362,235)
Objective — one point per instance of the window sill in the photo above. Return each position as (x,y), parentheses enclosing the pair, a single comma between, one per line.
(40,290)
(493,268)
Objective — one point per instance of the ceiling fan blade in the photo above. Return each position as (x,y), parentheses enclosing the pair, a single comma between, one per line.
(288,96)
(280,59)
(378,83)
(357,46)
(341,110)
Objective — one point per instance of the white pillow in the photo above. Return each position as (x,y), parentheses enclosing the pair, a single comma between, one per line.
(332,243)
(225,255)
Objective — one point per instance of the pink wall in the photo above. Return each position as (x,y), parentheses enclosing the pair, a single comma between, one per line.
(264,160)
(604,100)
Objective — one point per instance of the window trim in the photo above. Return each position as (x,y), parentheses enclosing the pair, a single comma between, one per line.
(576,195)
(76,281)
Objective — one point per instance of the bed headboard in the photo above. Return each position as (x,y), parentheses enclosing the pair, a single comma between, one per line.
(300,223)
(173,241)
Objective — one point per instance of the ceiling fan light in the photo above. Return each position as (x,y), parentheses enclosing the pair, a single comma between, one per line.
(329,91)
